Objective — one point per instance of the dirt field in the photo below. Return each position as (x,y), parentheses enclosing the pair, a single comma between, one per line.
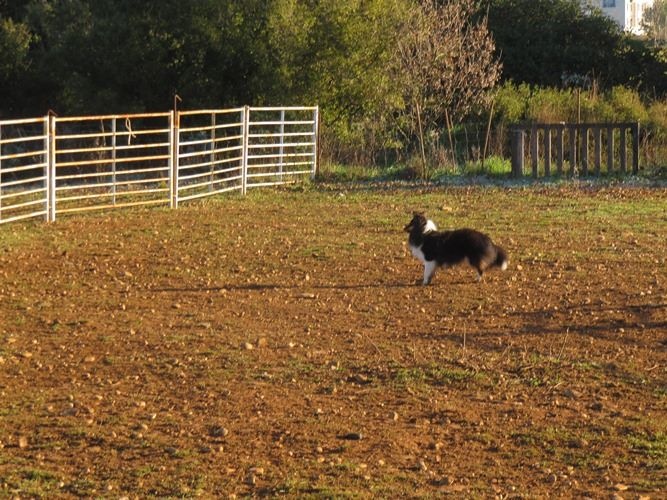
(277,345)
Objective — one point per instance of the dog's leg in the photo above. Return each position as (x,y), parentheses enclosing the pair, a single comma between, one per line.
(429,271)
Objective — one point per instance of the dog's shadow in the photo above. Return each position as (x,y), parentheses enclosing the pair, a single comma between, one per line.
(279,286)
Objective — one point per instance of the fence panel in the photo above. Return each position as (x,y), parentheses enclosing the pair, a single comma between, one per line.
(55,165)
(573,148)
(112,161)
(24,169)
(282,145)
(210,152)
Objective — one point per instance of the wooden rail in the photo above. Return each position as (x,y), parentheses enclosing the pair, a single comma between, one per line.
(569,145)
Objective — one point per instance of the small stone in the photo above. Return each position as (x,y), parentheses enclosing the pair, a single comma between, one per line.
(421,465)
(217,431)
(351,436)
(620,487)
(248,346)
(572,394)
(89,359)
(23,442)
(552,478)
(262,343)
(258,471)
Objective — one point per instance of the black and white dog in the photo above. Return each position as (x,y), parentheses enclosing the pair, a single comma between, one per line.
(447,248)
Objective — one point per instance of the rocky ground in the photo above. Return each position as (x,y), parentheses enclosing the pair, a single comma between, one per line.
(278,345)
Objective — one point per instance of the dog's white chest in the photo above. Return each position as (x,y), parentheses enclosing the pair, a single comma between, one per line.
(417,253)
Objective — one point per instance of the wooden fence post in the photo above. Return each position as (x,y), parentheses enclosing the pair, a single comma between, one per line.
(534,149)
(623,148)
(518,138)
(635,148)
(584,150)
(559,148)
(610,149)
(547,150)
(573,148)
(597,132)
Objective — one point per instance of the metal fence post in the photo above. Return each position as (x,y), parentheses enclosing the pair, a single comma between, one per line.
(212,158)
(51,167)
(174,118)
(113,159)
(316,137)
(244,160)
(0,172)
(282,142)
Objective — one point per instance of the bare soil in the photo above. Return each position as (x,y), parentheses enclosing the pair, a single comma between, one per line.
(278,344)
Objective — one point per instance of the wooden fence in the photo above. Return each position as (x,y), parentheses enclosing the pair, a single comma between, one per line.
(55,165)
(575,149)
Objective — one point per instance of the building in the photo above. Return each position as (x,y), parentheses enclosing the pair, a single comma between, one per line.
(627,13)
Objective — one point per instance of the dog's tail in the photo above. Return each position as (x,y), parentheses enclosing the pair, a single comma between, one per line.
(501,258)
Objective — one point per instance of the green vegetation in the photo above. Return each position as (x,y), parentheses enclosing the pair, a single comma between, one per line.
(411,83)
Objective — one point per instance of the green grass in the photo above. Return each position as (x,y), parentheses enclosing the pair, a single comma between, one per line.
(433,376)
(652,446)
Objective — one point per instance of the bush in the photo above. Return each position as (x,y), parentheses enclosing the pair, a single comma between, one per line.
(627,105)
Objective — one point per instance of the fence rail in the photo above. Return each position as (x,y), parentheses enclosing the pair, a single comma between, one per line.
(569,145)
(56,165)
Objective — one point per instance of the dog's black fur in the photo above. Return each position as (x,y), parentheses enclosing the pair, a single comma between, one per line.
(448,248)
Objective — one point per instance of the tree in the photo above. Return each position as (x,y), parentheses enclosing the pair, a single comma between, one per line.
(655,22)
(540,40)
(15,41)
(446,65)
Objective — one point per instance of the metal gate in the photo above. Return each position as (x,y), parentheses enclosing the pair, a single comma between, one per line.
(56,165)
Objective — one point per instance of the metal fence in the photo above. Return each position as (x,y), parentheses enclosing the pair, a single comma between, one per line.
(56,165)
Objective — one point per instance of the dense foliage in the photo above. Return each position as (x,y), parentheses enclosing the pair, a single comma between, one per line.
(550,43)
(392,77)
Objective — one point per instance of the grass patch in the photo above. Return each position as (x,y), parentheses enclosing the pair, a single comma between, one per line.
(652,446)
(432,375)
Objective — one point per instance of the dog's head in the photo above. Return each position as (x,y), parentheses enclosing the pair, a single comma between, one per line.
(418,223)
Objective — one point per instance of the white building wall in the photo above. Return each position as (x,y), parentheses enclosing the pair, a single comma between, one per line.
(627,13)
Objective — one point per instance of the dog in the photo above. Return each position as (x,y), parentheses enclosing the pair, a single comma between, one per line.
(448,248)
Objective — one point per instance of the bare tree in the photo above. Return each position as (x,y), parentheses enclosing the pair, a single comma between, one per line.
(655,22)
(446,64)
